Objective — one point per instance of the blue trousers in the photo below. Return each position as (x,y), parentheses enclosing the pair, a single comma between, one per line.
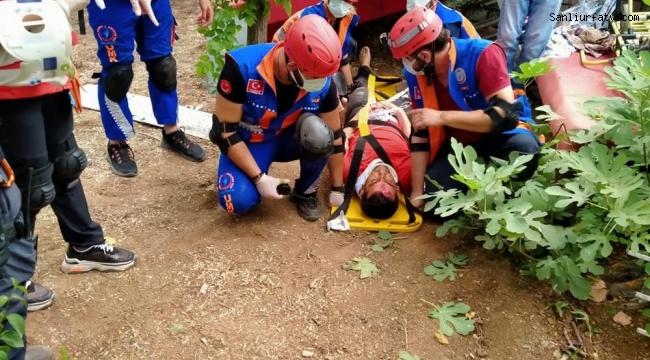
(116,30)
(237,193)
(500,147)
(20,265)
(538,29)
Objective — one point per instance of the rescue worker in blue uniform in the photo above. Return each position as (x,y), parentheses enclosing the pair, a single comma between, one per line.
(459,88)
(341,15)
(117,28)
(458,25)
(17,259)
(276,102)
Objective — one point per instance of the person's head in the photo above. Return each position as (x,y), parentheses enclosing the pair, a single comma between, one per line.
(341,8)
(421,41)
(412,4)
(313,52)
(379,194)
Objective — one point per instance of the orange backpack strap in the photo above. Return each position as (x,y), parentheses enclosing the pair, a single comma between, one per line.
(75,91)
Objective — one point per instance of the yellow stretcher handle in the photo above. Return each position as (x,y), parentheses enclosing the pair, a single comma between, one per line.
(364,130)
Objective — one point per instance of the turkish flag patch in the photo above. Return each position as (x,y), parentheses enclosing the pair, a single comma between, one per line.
(255,87)
(225,86)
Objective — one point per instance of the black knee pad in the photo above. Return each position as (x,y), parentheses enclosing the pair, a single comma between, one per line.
(314,137)
(162,73)
(117,82)
(41,189)
(69,162)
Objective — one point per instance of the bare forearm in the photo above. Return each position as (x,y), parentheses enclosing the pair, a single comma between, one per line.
(335,166)
(242,157)
(419,160)
(346,70)
(476,121)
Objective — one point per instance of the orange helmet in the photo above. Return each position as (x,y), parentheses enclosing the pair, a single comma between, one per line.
(313,45)
(418,27)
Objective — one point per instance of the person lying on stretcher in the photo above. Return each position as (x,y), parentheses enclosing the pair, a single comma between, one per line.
(376,181)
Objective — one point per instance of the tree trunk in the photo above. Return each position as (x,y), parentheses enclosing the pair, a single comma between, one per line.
(257,32)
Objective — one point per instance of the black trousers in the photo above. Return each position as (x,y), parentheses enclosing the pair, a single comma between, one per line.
(31,134)
(359,97)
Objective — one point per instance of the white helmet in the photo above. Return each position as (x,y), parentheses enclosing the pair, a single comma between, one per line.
(37,34)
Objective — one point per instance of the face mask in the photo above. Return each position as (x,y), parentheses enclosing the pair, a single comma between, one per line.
(412,4)
(311,85)
(339,8)
(409,67)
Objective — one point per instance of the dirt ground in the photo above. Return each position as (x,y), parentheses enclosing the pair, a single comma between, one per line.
(275,286)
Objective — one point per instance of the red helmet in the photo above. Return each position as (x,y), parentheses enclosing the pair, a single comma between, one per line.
(313,45)
(415,29)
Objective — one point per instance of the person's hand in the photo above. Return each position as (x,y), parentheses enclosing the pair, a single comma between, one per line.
(268,186)
(336,198)
(144,7)
(206,16)
(424,118)
(417,203)
(100,4)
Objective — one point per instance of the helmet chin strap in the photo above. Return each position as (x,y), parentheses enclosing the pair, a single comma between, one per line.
(429,68)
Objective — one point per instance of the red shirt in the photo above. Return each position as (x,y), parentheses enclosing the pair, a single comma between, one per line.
(395,146)
(25,92)
(492,76)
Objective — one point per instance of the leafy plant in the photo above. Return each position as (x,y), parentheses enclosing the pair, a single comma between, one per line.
(221,34)
(580,205)
(531,70)
(64,354)
(12,339)
(384,240)
(405,355)
(450,314)
(441,271)
(365,267)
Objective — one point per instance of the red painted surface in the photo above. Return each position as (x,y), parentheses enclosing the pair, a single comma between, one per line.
(368,10)
(568,86)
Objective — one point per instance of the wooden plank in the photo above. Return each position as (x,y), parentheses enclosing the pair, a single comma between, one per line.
(196,123)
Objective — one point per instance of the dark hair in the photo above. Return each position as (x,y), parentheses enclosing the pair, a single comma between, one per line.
(378,206)
(438,44)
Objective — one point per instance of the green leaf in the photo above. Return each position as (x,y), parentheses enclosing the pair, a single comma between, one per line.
(441,271)
(448,316)
(12,338)
(17,322)
(4,355)
(578,194)
(646,313)
(459,260)
(405,355)
(600,243)
(385,235)
(533,193)
(591,266)
(364,265)
(377,248)
(3,301)
(453,225)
